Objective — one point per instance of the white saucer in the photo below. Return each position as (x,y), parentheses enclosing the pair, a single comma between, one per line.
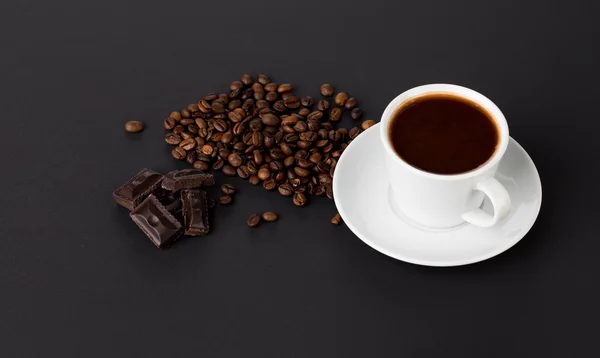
(361,191)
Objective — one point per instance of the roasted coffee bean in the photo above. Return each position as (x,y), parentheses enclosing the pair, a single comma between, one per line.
(253,220)
(269,184)
(292,102)
(229,171)
(247,93)
(255,124)
(218,107)
(200,165)
(275,166)
(289,121)
(286,87)
(328,148)
(301,154)
(323,105)
(201,123)
(243,172)
(289,161)
(173,139)
(299,199)
(170,123)
(300,126)
(246,79)
(341,98)
(220,125)
(281,176)
(257,86)
(367,124)
(304,163)
(285,189)
(188,144)
(175,115)
(210,97)
(323,167)
(329,192)
(186,121)
(315,157)
(327,125)
(276,153)
(192,107)
(271,87)
(335,115)
(254,180)
(223,98)
(235,159)
(304,112)
(225,199)
(258,157)
(350,103)
(303,144)
(193,128)
(301,172)
(288,130)
(286,95)
(136,126)
(257,139)
(327,90)
(185,113)
(279,106)
(270,216)
(286,149)
(354,132)
(323,133)
(236,85)
(218,165)
(336,220)
(307,101)
(190,157)
(236,103)
(270,119)
(335,136)
(271,96)
(186,135)
(309,136)
(263,79)
(178,153)
(313,124)
(316,115)
(262,104)
(264,174)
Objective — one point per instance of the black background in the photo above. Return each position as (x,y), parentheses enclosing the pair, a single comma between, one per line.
(78,278)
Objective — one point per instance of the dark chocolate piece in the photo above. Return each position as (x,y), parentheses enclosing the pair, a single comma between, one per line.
(187,179)
(137,188)
(171,200)
(195,211)
(156,222)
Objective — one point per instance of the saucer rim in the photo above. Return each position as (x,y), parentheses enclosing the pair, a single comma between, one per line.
(439,263)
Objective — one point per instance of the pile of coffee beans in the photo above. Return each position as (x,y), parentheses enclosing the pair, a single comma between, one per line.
(261,131)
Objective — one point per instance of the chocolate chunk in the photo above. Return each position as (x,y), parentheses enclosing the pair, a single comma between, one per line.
(156,222)
(137,188)
(195,211)
(171,200)
(187,179)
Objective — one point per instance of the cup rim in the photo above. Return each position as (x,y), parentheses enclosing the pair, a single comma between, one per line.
(455,90)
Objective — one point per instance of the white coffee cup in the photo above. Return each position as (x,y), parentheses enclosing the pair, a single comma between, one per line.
(444,201)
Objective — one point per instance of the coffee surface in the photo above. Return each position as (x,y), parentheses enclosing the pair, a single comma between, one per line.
(443,133)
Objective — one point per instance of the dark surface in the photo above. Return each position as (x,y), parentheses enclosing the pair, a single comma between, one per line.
(79,279)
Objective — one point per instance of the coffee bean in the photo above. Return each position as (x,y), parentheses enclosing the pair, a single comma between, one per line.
(192,107)
(270,119)
(135,126)
(315,157)
(223,98)
(228,170)
(263,79)
(200,165)
(178,153)
(264,174)
(292,102)
(276,153)
(175,115)
(236,85)
(307,101)
(275,166)
(188,144)
(354,132)
(235,159)
(185,113)
(254,180)
(286,87)
(300,126)
(305,164)
(289,161)
(316,115)
(271,96)
(270,184)
(367,124)
(323,105)
(299,199)
(173,139)
(301,172)
(225,199)
(285,189)
(327,90)
(170,123)
(243,172)
(218,165)
(336,220)
(271,87)
(279,106)
(270,216)
(257,139)
(350,103)
(304,112)
(335,115)
(246,79)
(341,98)
(329,192)
(253,220)
(303,144)
(227,189)
(190,157)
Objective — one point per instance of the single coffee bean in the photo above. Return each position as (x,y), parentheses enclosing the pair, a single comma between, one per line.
(246,79)
(175,115)
(350,103)
(323,167)
(286,149)
(216,136)
(327,90)
(193,107)
(178,153)
(270,216)
(253,220)
(186,135)
(235,160)
(327,125)
(292,102)
(304,163)
(186,121)
(335,115)
(329,192)
(299,199)
(257,86)
(336,220)
(286,87)
(227,189)
(190,157)
(286,189)
(263,79)
(367,124)
(300,126)
(315,157)
(243,172)
(262,104)
(289,161)
(307,101)
(316,115)
(258,157)
(323,133)
(254,180)
(135,126)
(323,105)
(257,139)
(185,113)
(281,176)
(228,170)
(200,165)
(236,85)
(247,93)
(210,97)
(225,199)
(218,165)
(188,144)
(275,166)
(334,136)
(341,98)
(236,103)
(170,123)
(313,124)
(301,172)
(270,184)
(354,132)
(264,174)
(304,112)
(223,98)
(193,128)
(279,106)
(173,139)
(286,95)
(271,96)
(207,149)
(303,144)
(270,119)
(271,87)
(289,121)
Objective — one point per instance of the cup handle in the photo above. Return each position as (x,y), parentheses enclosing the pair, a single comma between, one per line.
(500,201)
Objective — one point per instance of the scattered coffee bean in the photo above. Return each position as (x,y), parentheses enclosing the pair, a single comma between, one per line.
(367,124)
(336,219)
(326,90)
(335,115)
(270,216)
(356,113)
(135,126)
(323,105)
(307,101)
(178,153)
(299,199)
(225,199)
(341,98)
(286,87)
(227,189)
(350,103)
(253,220)
(246,79)
(173,139)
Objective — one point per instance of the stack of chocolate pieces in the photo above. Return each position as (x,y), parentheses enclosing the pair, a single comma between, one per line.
(167,206)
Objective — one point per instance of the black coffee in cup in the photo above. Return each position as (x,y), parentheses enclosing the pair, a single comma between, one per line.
(443,133)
